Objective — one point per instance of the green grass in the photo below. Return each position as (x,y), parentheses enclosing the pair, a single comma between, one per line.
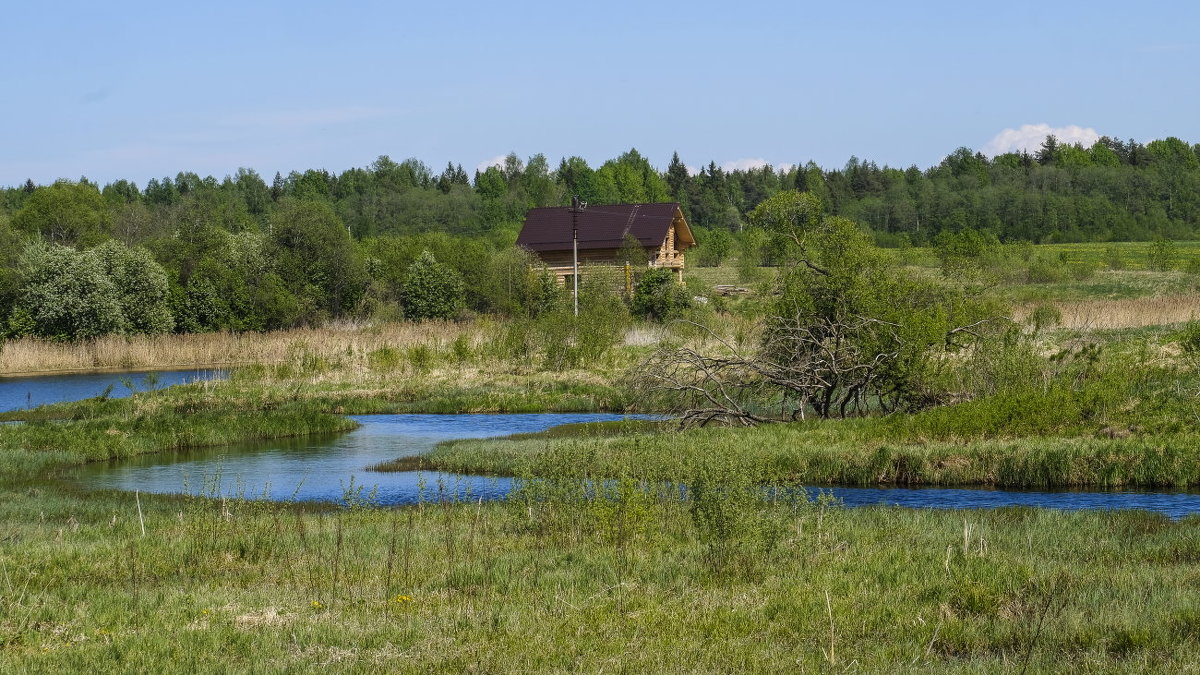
(1105,284)
(1134,255)
(1120,426)
(795,455)
(590,566)
(42,446)
(256,404)
(623,584)
(1133,280)
(515,393)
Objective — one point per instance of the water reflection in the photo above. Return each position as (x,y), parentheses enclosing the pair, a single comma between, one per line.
(1173,504)
(331,468)
(323,468)
(18,393)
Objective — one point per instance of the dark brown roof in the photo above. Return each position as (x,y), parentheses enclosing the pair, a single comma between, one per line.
(601,226)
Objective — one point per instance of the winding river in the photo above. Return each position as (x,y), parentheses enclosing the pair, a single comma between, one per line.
(334,468)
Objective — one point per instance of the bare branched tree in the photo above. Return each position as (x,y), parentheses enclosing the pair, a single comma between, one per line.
(849,333)
(700,388)
(803,363)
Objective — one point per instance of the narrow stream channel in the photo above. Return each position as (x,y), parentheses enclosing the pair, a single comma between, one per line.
(334,468)
(330,469)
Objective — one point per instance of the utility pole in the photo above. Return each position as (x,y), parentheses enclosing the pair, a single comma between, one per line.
(576,207)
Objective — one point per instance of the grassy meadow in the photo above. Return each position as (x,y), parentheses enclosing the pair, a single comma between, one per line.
(629,583)
(599,561)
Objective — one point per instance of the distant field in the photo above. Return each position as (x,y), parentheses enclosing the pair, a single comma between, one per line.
(1107,298)
(1133,254)
(1130,255)
(725,274)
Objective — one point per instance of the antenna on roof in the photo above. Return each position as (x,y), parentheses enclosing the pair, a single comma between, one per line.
(576,207)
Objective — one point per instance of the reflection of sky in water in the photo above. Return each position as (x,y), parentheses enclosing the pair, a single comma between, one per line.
(1173,504)
(322,468)
(17,393)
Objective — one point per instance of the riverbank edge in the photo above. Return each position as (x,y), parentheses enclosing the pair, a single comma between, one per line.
(849,453)
(117,370)
(61,435)
(783,456)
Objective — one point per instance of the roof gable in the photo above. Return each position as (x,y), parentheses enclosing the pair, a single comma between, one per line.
(603,226)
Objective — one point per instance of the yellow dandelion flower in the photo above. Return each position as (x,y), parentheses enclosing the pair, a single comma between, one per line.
(317,605)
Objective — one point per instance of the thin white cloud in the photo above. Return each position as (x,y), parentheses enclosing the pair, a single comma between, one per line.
(744,164)
(498,160)
(1029,137)
(748,163)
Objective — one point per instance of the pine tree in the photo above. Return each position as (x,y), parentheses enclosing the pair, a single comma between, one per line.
(677,179)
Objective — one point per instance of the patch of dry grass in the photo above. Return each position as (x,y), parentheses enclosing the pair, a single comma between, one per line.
(31,356)
(1106,314)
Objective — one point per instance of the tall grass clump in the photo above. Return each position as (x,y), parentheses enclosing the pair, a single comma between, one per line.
(181,351)
(553,338)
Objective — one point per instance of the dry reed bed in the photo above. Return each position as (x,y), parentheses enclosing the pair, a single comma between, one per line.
(164,352)
(1123,313)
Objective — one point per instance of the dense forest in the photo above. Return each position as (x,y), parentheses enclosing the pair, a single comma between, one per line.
(194,253)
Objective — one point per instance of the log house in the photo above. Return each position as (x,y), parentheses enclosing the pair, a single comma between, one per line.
(604,230)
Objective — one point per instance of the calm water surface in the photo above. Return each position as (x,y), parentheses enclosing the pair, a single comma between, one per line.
(325,469)
(19,393)
(321,469)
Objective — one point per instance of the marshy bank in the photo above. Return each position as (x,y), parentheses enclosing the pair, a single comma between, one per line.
(107,583)
(554,577)
(799,455)
(383,462)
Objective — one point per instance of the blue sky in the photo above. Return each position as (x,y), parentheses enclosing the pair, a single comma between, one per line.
(145,89)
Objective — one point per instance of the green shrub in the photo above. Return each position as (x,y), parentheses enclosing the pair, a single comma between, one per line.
(750,254)
(1043,317)
(659,296)
(421,357)
(461,350)
(969,254)
(730,515)
(715,247)
(1081,271)
(1189,341)
(141,286)
(1114,258)
(1043,271)
(384,358)
(432,290)
(1162,256)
